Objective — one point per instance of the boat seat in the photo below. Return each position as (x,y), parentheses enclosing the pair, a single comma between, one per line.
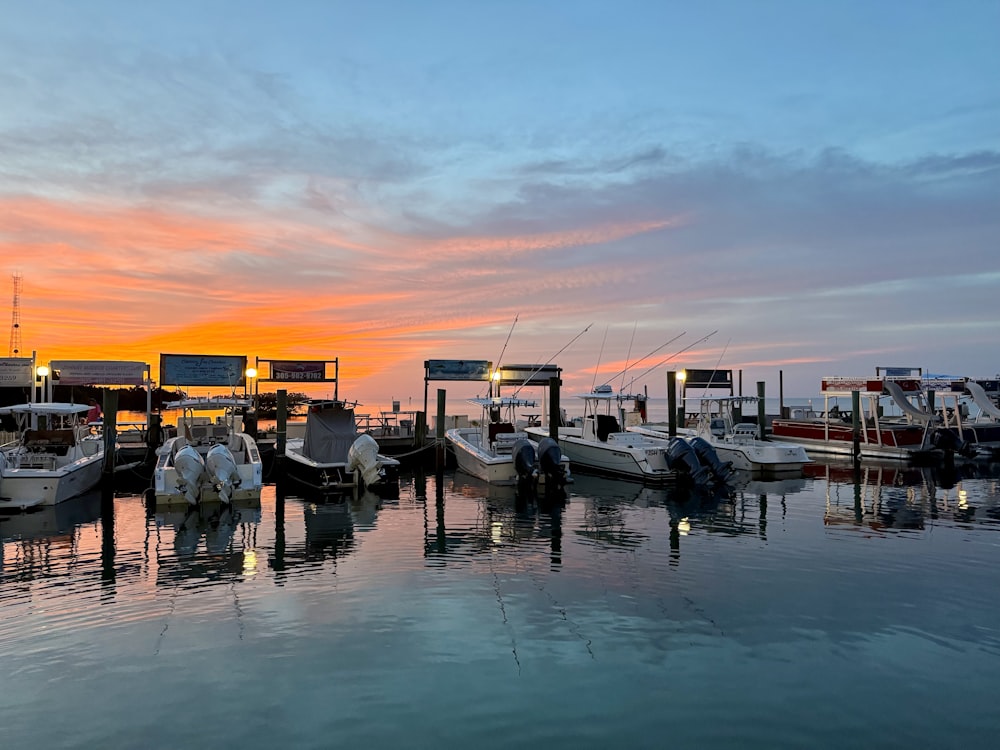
(51,441)
(505,441)
(606,424)
(499,428)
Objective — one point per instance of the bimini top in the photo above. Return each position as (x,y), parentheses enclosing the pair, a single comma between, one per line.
(45,408)
(208,402)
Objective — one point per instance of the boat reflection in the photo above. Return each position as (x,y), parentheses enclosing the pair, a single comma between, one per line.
(210,542)
(45,540)
(503,516)
(331,522)
(881,498)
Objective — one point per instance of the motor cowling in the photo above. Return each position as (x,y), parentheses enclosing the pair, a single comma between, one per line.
(363,458)
(524,459)
(708,457)
(683,459)
(550,459)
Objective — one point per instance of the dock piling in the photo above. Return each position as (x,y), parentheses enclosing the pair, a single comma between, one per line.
(761,411)
(110,432)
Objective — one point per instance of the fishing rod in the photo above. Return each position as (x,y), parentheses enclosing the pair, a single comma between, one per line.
(496,367)
(539,368)
(622,373)
(664,361)
(628,356)
(600,354)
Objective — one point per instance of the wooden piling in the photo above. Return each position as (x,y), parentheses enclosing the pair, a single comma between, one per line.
(282,423)
(856,425)
(110,432)
(672,403)
(439,460)
(554,413)
(761,411)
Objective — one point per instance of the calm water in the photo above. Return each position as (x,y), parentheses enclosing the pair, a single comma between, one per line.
(816,612)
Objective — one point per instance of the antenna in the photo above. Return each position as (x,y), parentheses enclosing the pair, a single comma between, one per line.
(15,318)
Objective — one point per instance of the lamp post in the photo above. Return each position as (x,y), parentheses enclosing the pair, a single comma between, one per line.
(43,376)
(251,373)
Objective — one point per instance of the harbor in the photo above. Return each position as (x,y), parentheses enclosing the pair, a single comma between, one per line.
(454,614)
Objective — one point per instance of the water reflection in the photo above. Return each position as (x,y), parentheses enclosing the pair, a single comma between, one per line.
(888,497)
(209,543)
(46,541)
(331,523)
(489,517)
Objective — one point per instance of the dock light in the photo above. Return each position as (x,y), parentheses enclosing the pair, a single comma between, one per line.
(496,375)
(251,373)
(43,376)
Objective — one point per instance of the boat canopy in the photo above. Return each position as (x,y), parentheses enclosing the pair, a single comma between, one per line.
(45,408)
(330,433)
(207,402)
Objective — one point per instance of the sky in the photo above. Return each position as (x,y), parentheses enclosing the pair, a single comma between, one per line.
(816,185)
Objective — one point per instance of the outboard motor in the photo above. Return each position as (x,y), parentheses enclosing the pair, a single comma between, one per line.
(550,460)
(949,442)
(682,458)
(524,459)
(362,457)
(707,455)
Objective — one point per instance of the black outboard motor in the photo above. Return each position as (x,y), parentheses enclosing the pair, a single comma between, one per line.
(707,455)
(949,442)
(682,459)
(550,460)
(524,459)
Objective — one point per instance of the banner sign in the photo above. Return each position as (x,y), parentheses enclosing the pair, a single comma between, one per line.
(846,385)
(97,372)
(708,379)
(16,372)
(200,370)
(457,369)
(527,374)
(297,371)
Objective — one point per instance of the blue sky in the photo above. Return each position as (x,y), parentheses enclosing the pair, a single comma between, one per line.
(387,182)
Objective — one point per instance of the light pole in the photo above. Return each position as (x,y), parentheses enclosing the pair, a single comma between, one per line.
(250,373)
(43,376)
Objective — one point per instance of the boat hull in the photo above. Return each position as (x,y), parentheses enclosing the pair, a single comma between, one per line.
(25,487)
(169,483)
(623,454)
(335,476)
(836,439)
(498,469)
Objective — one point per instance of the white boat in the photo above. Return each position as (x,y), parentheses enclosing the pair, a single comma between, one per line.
(48,466)
(499,453)
(737,442)
(334,455)
(600,444)
(208,461)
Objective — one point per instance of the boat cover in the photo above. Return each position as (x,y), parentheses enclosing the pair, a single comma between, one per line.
(329,434)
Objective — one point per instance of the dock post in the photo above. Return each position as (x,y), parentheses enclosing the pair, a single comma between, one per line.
(420,429)
(761,411)
(856,425)
(440,429)
(110,431)
(672,403)
(781,394)
(554,413)
(282,419)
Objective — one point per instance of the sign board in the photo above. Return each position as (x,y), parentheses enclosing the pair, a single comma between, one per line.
(97,372)
(866,385)
(708,379)
(297,371)
(457,369)
(16,372)
(527,374)
(202,370)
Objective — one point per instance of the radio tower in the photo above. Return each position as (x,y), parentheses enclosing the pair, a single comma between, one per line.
(15,319)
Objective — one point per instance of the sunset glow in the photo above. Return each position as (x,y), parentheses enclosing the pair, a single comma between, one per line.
(333,190)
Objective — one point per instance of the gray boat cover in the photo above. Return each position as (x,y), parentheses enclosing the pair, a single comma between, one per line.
(330,432)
